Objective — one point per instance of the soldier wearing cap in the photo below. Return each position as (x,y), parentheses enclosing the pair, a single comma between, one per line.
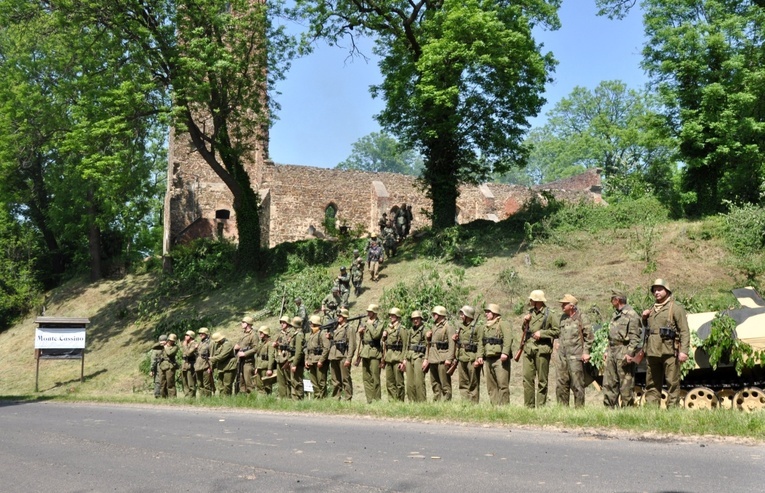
(393,339)
(576,338)
(223,358)
(265,362)
(341,351)
(469,351)
(667,345)
(168,365)
(440,354)
(245,353)
(499,345)
(317,352)
(202,367)
(375,256)
(344,282)
(331,303)
(542,330)
(357,272)
(371,353)
(188,376)
(624,341)
(156,355)
(416,362)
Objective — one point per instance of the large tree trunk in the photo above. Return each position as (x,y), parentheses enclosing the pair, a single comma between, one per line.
(440,175)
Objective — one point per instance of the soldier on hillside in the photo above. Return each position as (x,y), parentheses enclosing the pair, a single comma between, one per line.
(440,354)
(576,338)
(542,330)
(331,303)
(317,352)
(204,372)
(189,352)
(344,283)
(371,354)
(223,358)
(265,362)
(390,240)
(156,355)
(245,353)
(342,349)
(416,347)
(357,272)
(168,365)
(624,340)
(374,259)
(393,339)
(302,312)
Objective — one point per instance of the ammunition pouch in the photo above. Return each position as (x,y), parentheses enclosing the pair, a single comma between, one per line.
(441,346)
(395,347)
(493,340)
(375,343)
(341,346)
(470,348)
(316,351)
(667,333)
(418,348)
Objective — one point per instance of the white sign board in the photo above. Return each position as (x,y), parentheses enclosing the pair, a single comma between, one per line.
(48,338)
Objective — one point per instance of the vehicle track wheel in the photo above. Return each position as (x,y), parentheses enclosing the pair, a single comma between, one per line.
(749,399)
(639,393)
(725,398)
(701,398)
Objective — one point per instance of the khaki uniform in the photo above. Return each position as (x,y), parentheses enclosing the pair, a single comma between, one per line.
(167,368)
(576,338)
(661,354)
(624,338)
(442,349)
(536,356)
(331,304)
(156,356)
(302,313)
(202,368)
(468,348)
(498,339)
(289,353)
(416,347)
(248,344)
(341,351)
(317,351)
(344,280)
(357,274)
(394,355)
(223,359)
(265,360)
(371,354)
(188,375)
(374,257)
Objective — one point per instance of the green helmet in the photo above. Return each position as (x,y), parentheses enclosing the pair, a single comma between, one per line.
(439,310)
(662,283)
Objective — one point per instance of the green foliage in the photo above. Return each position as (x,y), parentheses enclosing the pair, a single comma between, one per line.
(179,327)
(201,265)
(454,244)
(599,346)
(744,235)
(19,287)
(722,345)
(311,284)
(433,286)
(291,258)
(515,288)
(380,152)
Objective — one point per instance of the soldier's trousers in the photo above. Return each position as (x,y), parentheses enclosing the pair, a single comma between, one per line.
(394,381)
(226,381)
(618,379)
(246,382)
(415,379)
(204,380)
(189,379)
(374,269)
(469,381)
(661,369)
(263,382)
(342,384)
(319,379)
(284,380)
(157,385)
(497,380)
(570,380)
(440,382)
(167,383)
(296,379)
(370,371)
(535,365)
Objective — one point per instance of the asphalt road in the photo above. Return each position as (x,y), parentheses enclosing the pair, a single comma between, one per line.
(53,447)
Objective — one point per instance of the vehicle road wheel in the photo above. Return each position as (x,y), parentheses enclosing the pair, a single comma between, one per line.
(701,398)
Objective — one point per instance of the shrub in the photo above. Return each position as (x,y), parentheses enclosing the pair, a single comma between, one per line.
(433,286)
(202,265)
(312,285)
(745,238)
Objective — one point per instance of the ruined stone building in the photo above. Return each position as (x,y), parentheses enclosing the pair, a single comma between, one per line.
(295,200)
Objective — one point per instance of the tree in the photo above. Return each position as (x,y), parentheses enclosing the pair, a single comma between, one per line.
(217,59)
(705,58)
(612,128)
(380,152)
(460,79)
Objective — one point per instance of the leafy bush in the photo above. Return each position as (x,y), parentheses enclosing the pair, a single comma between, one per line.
(202,265)
(455,244)
(291,258)
(745,238)
(433,286)
(19,287)
(722,345)
(312,285)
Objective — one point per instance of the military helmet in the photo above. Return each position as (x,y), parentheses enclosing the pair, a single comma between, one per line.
(190,333)
(264,330)
(568,298)
(493,308)
(172,337)
(355,251)
(538,295)
(374,236)
(204,330)
(662,283)
(343,269)
(343,313)
(468,311)
(416,314)
(217,337)
(315,320)
(162,338)
(298,300)
(297,322)
(395,311)
(621,295)
(286,320)
(248,320)
(439,310)
(373,308)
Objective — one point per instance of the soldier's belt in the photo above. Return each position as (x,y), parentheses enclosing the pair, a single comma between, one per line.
(493,340)
(341,346)
(395,347)
(617,343)
(317,351)
(375,343)
(441,345)
(417,348)
(470,348)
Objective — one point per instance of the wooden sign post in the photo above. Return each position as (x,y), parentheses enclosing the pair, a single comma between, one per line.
(60,338)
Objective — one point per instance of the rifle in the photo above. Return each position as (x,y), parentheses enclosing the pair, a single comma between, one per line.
(284,298)
(238,376)
(455,362)
(357,361)
(524,336)
(331,326)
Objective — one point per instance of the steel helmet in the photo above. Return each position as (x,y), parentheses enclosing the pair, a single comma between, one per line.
(416,314)
(469,311)
(373,308)
(439,310)
(538,295)
(265,330)
(493,308)
(662,283)
(395,311)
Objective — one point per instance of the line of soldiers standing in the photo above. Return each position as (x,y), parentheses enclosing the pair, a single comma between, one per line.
(472,348)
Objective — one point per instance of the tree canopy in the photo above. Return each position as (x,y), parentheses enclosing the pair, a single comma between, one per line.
(460,79)
(381,152)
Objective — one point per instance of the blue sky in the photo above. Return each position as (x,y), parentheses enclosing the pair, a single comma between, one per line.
(326,106)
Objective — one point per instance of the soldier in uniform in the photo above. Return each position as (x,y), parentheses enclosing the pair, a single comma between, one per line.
(576,338)
(401,221)
(357,272)
(469,354)
(331,303)
(317,352)
(156,355)
(390,240)
(297,365)
(245,353)
(667,345)
(223,358)
(301,312)
(168,365)
(189,352)
(624,340)
(499,345)
(265,362)
(383,222)
(202,368)
(344,282)
(341,351)
(371,353)
(416,347)
(440,354)
(542,330)
(282,345)
(374,259)
(393,339)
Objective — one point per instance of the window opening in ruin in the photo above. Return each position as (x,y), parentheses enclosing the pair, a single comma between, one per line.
(330,219)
